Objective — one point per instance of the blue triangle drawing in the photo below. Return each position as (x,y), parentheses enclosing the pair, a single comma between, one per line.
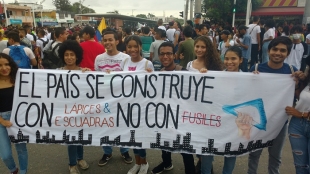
(257,103)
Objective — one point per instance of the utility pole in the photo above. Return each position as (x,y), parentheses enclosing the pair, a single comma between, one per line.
(6,16)
(41,12)
(186,10)
(248,12)
(234,14)
(306,18)
(191,10)
(198,12)
(81,10)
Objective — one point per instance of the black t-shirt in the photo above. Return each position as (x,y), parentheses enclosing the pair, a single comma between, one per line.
(6,99)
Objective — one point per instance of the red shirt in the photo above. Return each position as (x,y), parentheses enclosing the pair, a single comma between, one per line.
(91,50)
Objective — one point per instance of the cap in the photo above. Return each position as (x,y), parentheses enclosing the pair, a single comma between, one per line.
(226,32)
(242,27)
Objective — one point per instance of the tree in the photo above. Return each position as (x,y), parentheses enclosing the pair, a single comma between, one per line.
(150,15)
(141,16)
(76,8)
(63,5)
(222,10)
(115,12)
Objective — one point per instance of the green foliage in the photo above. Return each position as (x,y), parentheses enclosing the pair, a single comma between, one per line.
(179,20)
(115,12)
(141,16)
(65,5)
(222,10)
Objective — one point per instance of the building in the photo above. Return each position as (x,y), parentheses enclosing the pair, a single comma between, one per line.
(65,19)
(282,10)
(17,15)
(45,16)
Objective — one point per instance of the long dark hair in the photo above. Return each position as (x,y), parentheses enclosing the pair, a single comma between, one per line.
(212,59)
(13,66)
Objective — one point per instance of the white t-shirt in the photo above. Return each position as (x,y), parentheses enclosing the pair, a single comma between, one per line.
(162,27)
(295,56)
(235,40)
(304,99)
(190,67)
(40,44)
(308,37)
(223,48)
(268,33)
(170,34)
(3,45)
(27,50)
(253,30)
(105,62)
(128,65)
(30,37)
(154,49)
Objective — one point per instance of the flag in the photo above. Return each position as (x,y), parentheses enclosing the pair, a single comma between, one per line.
(102,25)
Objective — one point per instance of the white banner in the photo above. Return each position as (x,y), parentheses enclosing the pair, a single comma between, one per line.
(220,113)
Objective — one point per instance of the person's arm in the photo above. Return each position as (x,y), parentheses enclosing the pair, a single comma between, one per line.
(5,123)
(31,56)
(180,51)
(246,44)
(308,41)
(151,56)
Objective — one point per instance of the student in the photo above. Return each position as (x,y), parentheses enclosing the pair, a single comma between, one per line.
(232,61)
(166,56)
(245,46)
(278,50)
(154,57)
(91,48)
(254,31)
(23,56)
(146,42)
(298,128)
(225,43)
(186,48)
(8,70)
(70,52)
(207,57)
(268,36)
(106,62)
(137,63)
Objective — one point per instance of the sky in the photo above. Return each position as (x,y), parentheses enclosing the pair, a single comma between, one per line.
(126,7)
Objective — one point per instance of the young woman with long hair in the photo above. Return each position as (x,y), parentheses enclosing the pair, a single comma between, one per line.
(8,70)
(137,63)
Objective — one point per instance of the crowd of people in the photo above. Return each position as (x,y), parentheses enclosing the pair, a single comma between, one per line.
(260,47)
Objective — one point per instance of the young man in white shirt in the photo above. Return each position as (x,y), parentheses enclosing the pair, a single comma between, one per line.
(42,41)
(254,32)
(14,40)
(170,32)
(111,61)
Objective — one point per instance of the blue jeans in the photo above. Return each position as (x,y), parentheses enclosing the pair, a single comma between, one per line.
(244,65)
(75,153)
(140,152)
(265,56)
(299,135)
(108,150)
(206,164)
(275,153)
(6,150)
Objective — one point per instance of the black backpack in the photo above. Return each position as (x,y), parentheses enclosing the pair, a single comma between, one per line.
(51,60)
(44,42)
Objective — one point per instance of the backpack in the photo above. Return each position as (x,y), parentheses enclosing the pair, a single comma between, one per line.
(19,56)
(51,60)
(44,42)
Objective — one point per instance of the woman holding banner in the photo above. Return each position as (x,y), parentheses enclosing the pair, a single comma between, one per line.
(8,70)
(232,62)
(298,128)
(137,63)
(207,58)
(70,52)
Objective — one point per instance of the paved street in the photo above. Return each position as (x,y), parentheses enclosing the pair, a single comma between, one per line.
(53,159)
